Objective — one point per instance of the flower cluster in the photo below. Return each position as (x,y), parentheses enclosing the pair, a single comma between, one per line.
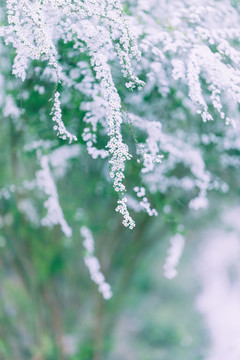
(30,34)
(93,264)
(90,139)
(46,183)
(26,206)
(149,161)
(199,39)
(174,255)
(178,151)
(144,203)
(149,151)
(122,208)
(57,117)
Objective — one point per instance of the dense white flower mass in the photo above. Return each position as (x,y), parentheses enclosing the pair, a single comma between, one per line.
(199,37)
(186,52)
(99,28)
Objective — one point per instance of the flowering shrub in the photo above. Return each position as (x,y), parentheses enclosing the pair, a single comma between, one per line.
(141,80)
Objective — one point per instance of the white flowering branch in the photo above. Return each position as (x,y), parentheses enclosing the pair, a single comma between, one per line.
(174,255)
(93,264)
